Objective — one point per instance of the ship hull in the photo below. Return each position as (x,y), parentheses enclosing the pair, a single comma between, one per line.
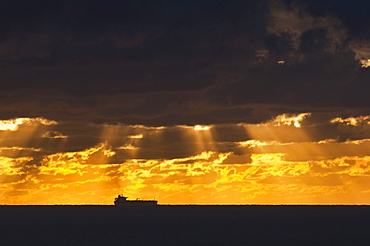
(122,201)
(136,203)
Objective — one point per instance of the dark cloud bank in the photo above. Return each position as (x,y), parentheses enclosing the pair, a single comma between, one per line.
(183,62)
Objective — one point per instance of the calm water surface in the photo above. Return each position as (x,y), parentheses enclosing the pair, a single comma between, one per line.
(185,225)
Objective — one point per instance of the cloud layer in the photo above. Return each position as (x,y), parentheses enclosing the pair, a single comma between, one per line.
(189,102)
(281,161)
(164,63)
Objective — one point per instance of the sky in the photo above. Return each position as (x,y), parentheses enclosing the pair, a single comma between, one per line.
(185,102)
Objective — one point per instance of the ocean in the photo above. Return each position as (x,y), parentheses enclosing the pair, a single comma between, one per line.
(185,225)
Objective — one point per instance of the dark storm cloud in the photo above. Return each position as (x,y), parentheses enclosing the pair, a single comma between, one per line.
(183,62)
(127,47)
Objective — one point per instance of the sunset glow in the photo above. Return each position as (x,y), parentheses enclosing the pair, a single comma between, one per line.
(185,102)
(279,165)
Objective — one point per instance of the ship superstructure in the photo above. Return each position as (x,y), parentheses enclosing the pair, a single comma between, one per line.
(121,200)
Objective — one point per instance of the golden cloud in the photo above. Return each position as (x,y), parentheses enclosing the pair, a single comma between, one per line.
(352,121)
(289,120)
(261,170)
(13,124)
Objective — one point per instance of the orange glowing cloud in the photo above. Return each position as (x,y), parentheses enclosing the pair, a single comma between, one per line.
(269,163)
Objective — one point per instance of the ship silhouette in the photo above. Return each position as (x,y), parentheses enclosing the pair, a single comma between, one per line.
(121,200)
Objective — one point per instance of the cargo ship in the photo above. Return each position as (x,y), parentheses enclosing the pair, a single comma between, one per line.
(121,200)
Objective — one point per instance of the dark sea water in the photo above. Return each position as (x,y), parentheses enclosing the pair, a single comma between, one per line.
(185,225)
